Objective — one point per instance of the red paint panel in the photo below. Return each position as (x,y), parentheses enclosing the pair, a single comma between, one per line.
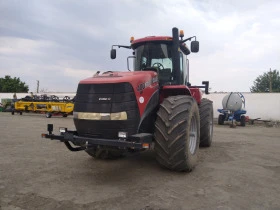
(146,79)
(174,90)
(197,94)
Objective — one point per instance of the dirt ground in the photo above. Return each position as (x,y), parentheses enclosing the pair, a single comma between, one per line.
(240,171)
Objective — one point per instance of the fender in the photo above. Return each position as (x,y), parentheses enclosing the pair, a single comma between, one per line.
(148,117)
(175,90)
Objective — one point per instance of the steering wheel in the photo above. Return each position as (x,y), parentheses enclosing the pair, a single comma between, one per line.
(158,65)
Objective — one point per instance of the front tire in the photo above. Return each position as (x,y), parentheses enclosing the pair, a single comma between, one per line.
(177,133)
(206,122)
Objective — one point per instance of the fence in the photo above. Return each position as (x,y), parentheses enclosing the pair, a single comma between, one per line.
(258,105)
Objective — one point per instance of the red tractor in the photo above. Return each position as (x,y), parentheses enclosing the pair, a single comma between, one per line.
(152,107)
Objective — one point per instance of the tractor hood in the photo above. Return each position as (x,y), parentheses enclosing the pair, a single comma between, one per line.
(144,84)
(135,78)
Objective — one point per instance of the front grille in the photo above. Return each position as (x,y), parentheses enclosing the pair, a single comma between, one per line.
(91,98)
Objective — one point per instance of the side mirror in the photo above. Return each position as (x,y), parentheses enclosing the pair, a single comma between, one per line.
(195,46)
(113,53)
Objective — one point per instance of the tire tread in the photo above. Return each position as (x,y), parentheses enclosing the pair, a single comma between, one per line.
(206,113)
(170,133)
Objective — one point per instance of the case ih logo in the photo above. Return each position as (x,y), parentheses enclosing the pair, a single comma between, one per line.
(104,99)
(142,86)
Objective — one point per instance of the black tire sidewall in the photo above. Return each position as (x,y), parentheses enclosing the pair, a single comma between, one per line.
(206,122)
(172,133)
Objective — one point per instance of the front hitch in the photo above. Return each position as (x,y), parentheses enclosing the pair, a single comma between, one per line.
(136,141)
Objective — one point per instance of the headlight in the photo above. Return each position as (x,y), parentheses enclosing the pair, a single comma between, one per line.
(100,116)
(87,116)
(119,116)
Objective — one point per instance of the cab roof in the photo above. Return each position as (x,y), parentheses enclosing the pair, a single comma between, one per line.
(164,39)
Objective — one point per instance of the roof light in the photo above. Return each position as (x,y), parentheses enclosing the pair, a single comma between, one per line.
(131,39)
(181,33)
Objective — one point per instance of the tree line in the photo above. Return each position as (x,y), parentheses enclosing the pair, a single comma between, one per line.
(267,82)
(12,85)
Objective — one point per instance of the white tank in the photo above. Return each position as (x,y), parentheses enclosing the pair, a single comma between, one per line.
(232,102)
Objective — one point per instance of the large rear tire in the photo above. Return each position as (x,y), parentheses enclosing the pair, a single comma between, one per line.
(177,133)
(206,122)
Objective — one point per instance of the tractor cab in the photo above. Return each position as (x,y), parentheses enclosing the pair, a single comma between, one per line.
(163,54)
(157,56)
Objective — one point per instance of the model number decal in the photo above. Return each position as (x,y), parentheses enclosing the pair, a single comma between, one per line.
(104,99)
(144,85)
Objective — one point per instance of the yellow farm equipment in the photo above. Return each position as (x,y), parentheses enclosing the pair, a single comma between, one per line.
(50,106)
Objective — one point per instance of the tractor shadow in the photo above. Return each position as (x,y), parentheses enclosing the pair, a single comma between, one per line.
(132,168)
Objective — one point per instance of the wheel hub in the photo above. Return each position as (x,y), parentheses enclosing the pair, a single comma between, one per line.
(193,135)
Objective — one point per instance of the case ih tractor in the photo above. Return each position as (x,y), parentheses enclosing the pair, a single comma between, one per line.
(152,107)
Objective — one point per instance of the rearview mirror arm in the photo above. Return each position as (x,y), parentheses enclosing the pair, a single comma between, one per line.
(188,39)
(123,46)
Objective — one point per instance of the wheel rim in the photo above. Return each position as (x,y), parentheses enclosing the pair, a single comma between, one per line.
(193,135)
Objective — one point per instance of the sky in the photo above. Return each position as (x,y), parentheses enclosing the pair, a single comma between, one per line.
(60,42)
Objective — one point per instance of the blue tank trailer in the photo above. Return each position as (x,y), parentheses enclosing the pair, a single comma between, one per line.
(233,109)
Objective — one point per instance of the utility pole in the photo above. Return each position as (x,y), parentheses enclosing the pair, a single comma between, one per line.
(38,83)
(270,74)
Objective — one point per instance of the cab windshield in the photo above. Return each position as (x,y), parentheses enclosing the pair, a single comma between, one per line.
(158,57)
(153,56)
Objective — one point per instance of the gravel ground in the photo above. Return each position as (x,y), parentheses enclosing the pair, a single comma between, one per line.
(240,171)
